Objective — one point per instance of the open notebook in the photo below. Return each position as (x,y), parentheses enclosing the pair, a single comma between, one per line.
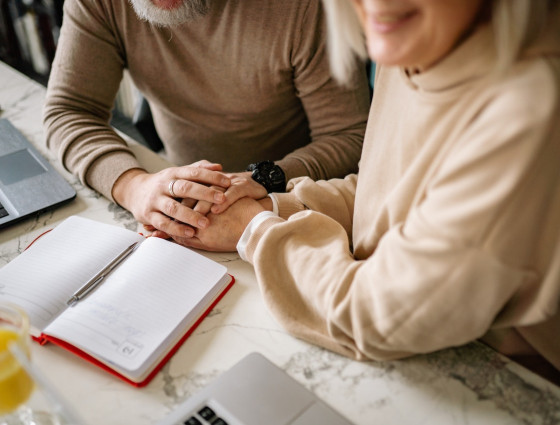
(133,322)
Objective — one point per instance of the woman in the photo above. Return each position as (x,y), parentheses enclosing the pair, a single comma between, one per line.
(451,231)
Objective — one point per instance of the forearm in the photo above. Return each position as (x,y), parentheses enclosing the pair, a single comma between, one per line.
(408,297)
(84,80)
(93,151)
(327,156)
(336,115)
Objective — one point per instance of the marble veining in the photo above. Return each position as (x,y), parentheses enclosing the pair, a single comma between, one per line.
(466,385)
(122,216)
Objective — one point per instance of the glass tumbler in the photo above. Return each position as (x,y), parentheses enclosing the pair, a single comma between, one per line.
(16,384)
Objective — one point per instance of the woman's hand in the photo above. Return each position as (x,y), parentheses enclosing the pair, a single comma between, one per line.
(155,199)
(242,185)
(226,228)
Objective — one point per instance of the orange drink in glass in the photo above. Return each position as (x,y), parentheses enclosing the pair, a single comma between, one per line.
(15,384)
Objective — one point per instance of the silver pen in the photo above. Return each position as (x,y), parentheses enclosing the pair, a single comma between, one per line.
(91,284)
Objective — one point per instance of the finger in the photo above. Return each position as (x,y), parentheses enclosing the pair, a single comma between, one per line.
(189,202)
(236,192)
(181,215)
(220,208)
(155,232)
(159,234)
(201,175)
(203,207)
(208,165)
(171,227)
(199,192)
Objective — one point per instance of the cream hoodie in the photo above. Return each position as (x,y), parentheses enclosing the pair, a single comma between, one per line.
(451,230)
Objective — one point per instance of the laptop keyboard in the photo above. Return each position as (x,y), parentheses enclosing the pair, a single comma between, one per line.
(3,212)
(204,416)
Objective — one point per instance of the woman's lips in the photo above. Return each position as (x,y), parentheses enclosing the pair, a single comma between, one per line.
(388,22)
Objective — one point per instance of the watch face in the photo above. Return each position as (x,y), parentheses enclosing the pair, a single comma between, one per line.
(258,177)
(269,175)
(276,175)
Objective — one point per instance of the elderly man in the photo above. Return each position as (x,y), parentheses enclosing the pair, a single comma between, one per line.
(243,84)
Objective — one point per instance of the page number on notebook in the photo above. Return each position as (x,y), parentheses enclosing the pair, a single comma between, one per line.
(129,349)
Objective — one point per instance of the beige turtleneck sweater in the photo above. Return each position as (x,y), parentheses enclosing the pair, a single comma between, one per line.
(451,230)
(248,82)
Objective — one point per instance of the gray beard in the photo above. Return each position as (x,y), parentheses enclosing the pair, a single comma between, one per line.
(189,10)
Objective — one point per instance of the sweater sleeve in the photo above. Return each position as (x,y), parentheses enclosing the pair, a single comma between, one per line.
(461,261)
(337,127)
(334,198)
(84,81)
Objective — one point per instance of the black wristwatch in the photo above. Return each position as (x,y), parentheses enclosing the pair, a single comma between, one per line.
(269,175)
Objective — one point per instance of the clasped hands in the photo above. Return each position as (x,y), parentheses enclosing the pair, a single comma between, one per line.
(197,205)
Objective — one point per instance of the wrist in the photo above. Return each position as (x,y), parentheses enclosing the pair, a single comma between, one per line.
(243,243)
(266,203)
(121,191)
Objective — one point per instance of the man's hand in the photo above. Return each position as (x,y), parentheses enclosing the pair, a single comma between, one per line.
(226,228)
(242,185)
(148,197)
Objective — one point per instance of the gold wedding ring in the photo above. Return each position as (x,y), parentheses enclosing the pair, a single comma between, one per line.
(170,187)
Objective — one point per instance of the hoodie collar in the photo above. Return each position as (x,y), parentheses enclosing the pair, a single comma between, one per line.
(472,59)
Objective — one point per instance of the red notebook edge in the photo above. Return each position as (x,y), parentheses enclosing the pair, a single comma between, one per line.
(43,339)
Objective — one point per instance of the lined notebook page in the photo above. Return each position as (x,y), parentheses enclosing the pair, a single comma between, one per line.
(42,278)
(159,287)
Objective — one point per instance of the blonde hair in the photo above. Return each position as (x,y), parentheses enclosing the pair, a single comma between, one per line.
(346,40)
(516,24)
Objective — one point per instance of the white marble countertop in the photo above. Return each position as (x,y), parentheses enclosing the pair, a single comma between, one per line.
(466,385)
